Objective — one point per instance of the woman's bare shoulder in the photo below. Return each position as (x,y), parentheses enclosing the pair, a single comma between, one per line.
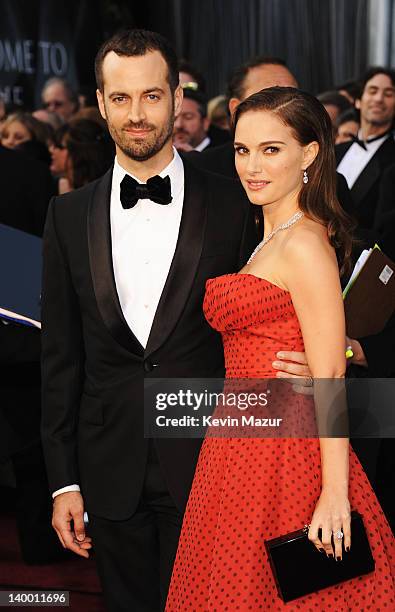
(308,244)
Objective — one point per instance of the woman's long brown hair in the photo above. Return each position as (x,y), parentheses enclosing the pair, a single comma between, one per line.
(310,122)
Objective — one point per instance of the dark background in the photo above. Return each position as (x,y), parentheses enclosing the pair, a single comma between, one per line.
(323,41)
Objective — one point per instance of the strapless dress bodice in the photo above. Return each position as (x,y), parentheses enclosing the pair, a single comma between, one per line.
(256,319)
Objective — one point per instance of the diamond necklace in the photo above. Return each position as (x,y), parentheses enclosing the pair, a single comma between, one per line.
(298,215)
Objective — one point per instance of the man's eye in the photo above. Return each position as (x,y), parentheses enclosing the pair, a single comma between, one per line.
(241,150)
(152,97)
(119,99)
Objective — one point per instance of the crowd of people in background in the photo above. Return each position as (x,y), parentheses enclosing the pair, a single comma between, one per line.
(70,137)
(65,144)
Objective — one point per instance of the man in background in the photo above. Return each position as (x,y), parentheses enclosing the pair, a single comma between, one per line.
(362,162)
(191,125)
(59,97)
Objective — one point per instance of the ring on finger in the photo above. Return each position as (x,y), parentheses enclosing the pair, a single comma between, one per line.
(338,534)
(310,381)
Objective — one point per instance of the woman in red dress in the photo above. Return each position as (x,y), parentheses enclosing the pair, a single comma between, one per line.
(247,490)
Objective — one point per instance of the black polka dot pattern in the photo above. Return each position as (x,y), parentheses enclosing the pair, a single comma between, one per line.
(248,490)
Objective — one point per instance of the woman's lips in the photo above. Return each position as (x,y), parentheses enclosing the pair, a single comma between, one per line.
(257,185)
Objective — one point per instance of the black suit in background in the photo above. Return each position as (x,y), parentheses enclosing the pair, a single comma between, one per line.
(217,135)
(94,368)
(221,160)
(386,202)
(365,191)
(26,187)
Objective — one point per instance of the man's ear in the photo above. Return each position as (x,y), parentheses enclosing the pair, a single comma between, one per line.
(357,104)
(309,154)
(100,102)
(206,123)
(233,104)
(178,98)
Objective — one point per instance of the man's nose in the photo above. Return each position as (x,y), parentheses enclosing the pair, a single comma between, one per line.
(379,95)
(136,112)
(178,124)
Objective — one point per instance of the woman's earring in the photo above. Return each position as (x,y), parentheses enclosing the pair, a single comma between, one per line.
(305,177)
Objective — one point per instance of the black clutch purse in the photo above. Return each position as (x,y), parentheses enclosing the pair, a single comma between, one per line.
(299,568)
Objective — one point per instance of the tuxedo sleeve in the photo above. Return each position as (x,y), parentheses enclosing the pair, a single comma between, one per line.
(62,360)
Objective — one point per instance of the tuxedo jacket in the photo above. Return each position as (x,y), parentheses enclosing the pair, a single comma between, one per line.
(386,202)
(93,367)
(222,161)
(365,191)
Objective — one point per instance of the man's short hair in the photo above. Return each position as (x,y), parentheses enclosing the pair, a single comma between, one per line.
(136,42)
(199,98)
(373,71)
(239,75)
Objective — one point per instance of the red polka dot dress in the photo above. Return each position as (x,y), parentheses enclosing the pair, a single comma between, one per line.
(247,490)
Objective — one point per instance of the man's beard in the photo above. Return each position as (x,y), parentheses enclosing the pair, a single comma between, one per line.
(144,148)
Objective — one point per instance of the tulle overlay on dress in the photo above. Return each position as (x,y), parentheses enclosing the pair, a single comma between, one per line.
(247,490)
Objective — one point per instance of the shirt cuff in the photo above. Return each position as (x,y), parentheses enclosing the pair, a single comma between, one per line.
(67,489)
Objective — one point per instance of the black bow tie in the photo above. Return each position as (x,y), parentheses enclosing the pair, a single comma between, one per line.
(157,189)
(359,142)
(363,143)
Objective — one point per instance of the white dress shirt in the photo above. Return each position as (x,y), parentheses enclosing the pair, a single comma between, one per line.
(143,240)
(356,159)
(203,145)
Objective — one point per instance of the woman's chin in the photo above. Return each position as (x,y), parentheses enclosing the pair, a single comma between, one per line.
(256,199)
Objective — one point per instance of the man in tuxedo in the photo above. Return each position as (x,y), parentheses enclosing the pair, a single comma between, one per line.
(126,260)
(364,160)
(257,73)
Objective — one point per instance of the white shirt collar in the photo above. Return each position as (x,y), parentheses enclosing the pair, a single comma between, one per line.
(174,170)
(203,145)
(376,141)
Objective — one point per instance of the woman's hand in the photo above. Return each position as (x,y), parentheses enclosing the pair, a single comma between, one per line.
(332,513)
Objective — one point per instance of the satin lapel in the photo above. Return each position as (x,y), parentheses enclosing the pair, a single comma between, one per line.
(100,257)
(341,150)
(366,179)
(185,261)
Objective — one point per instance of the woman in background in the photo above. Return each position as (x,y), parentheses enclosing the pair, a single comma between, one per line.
(22,132)
(90,152)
